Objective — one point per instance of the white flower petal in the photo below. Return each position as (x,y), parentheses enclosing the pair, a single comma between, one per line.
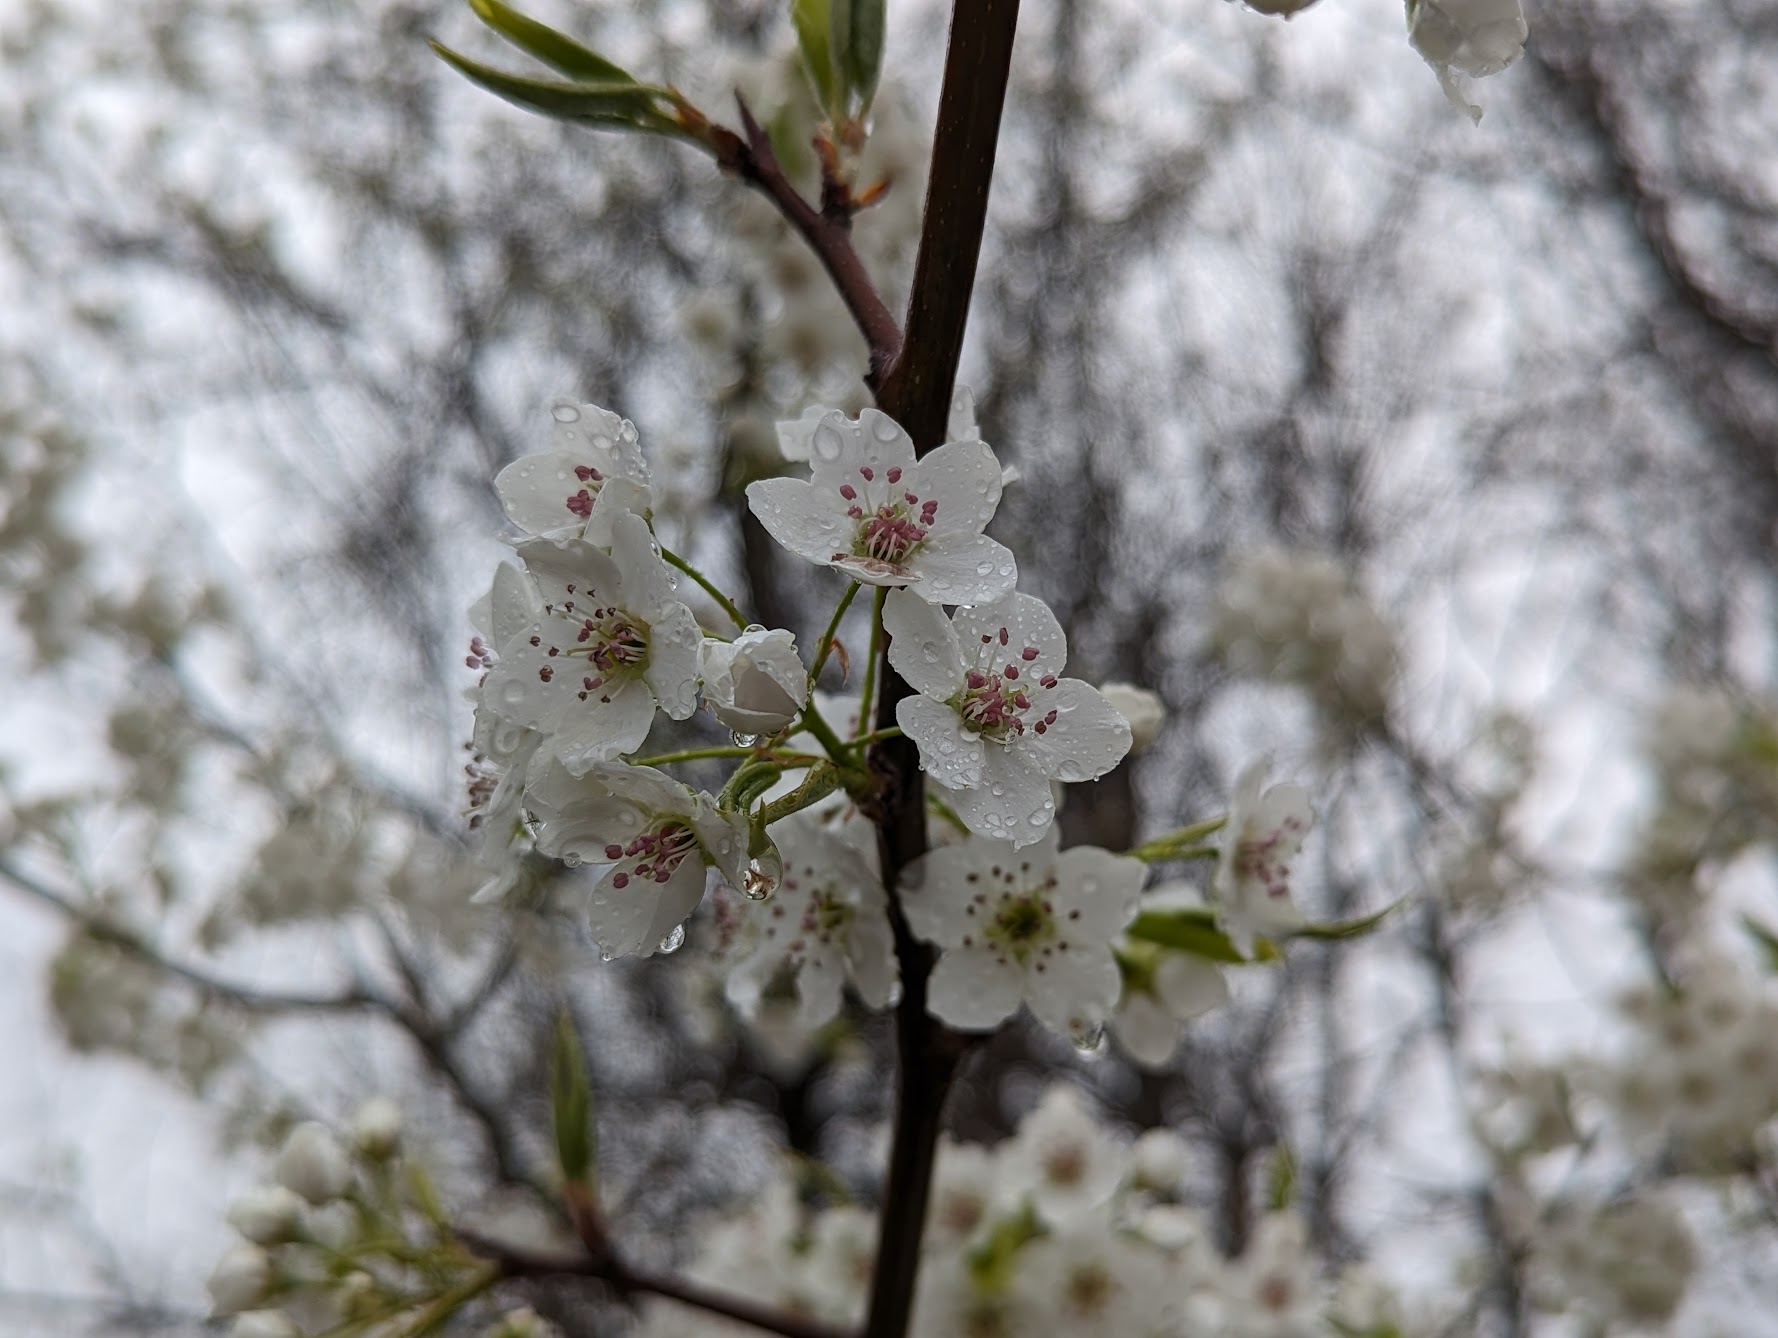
(973,990)
(1012,803)
(962,569)
(966,476)
(1077,992)
(613,720)
(923,646)
(1026,620)
(1087,738)
(801,518)
(951,754)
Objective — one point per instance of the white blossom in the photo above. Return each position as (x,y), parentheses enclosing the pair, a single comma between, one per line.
(593,473)
(876,514)
(658,836)
(267,1214)
(1061,1159)
(1252,879)
(755,684)
(1156,1003)
(240,1280)
(1029,926)
(828,924)
(1466,37)
(376,1129)
(966,1196)
(613,641)
(311,1164)
(993,721)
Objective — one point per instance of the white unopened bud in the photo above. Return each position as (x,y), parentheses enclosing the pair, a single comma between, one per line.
(240,1281)
(267,1215)
(756,684)
(1143,709)
(376,1129)
(1472,37)
(312,1165)
(1159,1159)
(264,1324)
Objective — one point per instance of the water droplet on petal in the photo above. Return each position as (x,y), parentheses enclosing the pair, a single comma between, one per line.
(744,740)
(826,443)
(756,883)
(885,428)
(566,413)
(984,568)
(673,941)
(571,858)
(1041,818)
(1071,772)
(606,955)
(1088,1038)
(513,693)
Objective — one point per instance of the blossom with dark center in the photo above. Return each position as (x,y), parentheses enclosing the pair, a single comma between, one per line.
(593,473)
(993,721)
(612,640)
(1252,879)
(1030,926)
(875,513)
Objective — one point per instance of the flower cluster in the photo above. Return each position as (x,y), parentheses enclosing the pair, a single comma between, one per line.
(586,643)
(1060,1229)
(1298,618)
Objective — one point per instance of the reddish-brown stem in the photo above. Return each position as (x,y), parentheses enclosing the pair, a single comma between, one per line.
(828,231)
(625,1279)
(916,392)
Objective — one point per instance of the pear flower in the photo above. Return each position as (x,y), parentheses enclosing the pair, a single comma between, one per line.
(829,924)
(1466,37)
(593,473)
(994,723)
(1145,711)
(1252,879)
(612,641)
(1022,926)
(755,684)
(874,513)
(659,838)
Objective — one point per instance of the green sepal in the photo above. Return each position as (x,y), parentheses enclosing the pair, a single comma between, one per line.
(557,50)
(571,1104)
(813,20)
(611,106)
(857,43)
(1339,929)
(1193,929)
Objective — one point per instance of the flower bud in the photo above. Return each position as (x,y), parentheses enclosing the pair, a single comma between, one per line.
(756,684)
(376,1129)
(312,1165)
(1143,709)
(242,1277)
(267,1215)
(264,1324)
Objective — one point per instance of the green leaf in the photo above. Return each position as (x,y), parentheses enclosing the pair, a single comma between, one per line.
(613,106)
(858,45)
(1193,929)
(571,1104)
(555,49)
(1358,928)
(1765,937)
(814,34)
(1281,1179)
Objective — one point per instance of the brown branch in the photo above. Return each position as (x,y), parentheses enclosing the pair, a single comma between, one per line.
(916,392)
(626,1280)
(828,231)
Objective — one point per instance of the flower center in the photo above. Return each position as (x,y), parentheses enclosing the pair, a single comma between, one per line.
(891,521)
(1260,859)
(656,854)
(613,641)
(996,697)
(581,503)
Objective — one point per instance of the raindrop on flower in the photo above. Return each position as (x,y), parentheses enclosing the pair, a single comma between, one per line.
(757,884)
(673,941)
(1089,1040)
(744,740)
(566,413)
(571,858)
(606,955)
(513,694)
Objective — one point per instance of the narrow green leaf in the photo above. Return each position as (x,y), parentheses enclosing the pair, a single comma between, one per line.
(571,1104)
(858,43)
(1281,1179)
(615,106)
(1358,928)
(555,49)
(814,34)
(1765,937)
(1193,929)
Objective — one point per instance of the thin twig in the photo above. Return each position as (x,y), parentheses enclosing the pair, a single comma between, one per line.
(626,1279)
(829,235)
